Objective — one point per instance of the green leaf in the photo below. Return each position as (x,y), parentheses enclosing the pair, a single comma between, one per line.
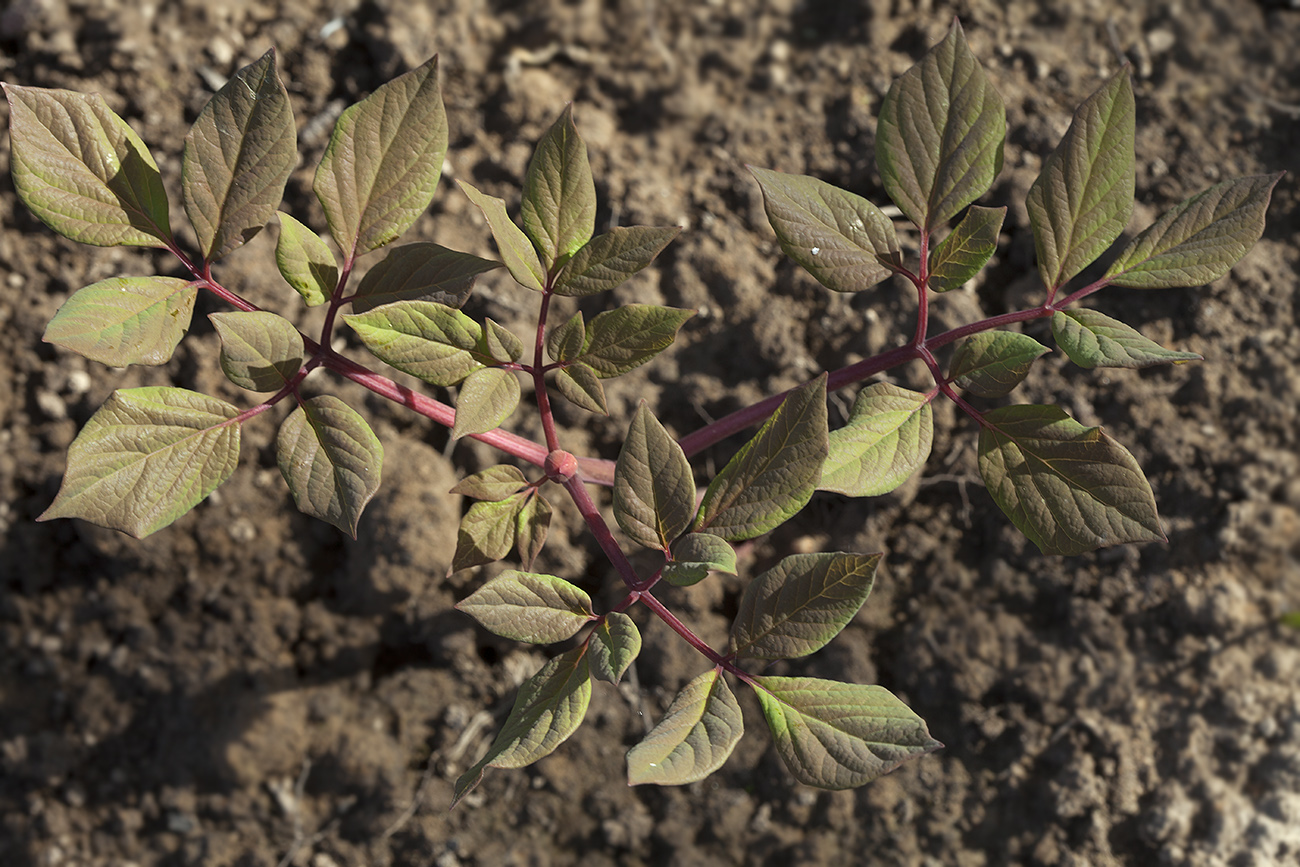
(331,460)
(82,171)
(1291,619)
(523,606)
(422,338)
(517,251)
(607,260)
(796,607)
(627,337)
(940,134)
(694,739)
(148,456)
(382,165)
(420,272)
(487,531)
(487,398)
(773,475)
(887,438)
(125,320)
(1083,196)
(559,200)
(695,555)
(654,489)
(840,238)
(967,249)
(494,483)
(993,363)
(840,735)
(1093,339)
(613,647)
(1069,488)
(502,344)
(566,341)
(1200,239)
(260,351)
(531,526)
(305,262)
(549,708)
(238,157)
(581,386)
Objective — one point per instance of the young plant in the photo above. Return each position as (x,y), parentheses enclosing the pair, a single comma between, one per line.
(151,454)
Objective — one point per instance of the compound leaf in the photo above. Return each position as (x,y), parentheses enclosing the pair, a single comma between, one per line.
(1093,339)
(993,363)
(565,342)
(607,260)
(840,735)
(487,531)
(581,386)
(796,607)
(887,438)
(494,483)
(967,249)
(420,272)
(423,338)
(549,708)
(773,475)
(382,165)
(613,647)
(694,738)
(146,457)
(1198,240)
(260,351)
(940,134)
(517,252)
(559,196)
(82,171)
(487,398)
(531,526)
(840,238)
(331,460)
(305,262)
(1083,196)
(695,555)
(654,489)
(238,157)
(125,320)
(1069,488)
(524,606)
(627,337)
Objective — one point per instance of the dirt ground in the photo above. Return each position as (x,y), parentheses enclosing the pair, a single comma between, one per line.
(248,687)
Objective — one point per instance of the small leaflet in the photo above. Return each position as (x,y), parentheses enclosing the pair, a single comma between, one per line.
(420,272)
(840,735)
(1069,488)
(940,134)
(797,607)
(695,737)
(487,397)
(125,320)
(423,338)
(305,262)
(695,555)
(1093,339)
(382,165)
(626,337)
(993,363)
(549,708)
(654,488)
(331,460)
(559,195)
(887,438)
(613,647)
(524,606)
(146,457)
(773,475)
(606,261)
(260,351)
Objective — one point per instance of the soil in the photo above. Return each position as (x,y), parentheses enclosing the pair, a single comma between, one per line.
(250,687)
